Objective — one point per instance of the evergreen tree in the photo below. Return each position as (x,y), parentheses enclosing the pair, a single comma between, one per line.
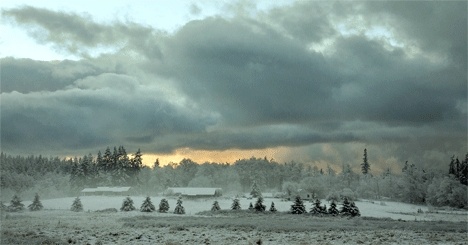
(255,191)
(36,205)
(215,206)
(259,207)
(76,205)
(163,206)
(273,208)
(127,205)
(235,204)
(298,206)
(147,205)
(333,210)
(15,204)
(317,209)
(251,207)
(365,166)
(179,209)
(349,208)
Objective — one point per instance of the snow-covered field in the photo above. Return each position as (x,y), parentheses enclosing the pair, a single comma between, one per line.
(380,223)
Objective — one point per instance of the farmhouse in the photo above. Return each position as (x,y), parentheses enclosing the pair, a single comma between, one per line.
(108,191)
(193,192)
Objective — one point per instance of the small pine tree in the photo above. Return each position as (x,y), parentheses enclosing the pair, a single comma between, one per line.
(235,204)
(259,207)
(127,205)
(163,206)
(179,209)
(76,205)
(215,206)
(147,205)
(333,210)
(36,205)
(298,206)
(317,209)
(354,210)
(255,191)
(272,208)
(349,208)
(251,207)
(15,204)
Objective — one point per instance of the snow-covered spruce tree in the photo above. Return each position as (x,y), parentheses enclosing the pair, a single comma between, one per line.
(298,206)
(127,205)
(36,205)
(15,204)
(259,207)
(317,209)
(255,191)
(333,210)
(163,206)
(215,206)
(251,207)
(272,208)
(349,209)
(76,205)
(147,205)
(179,209)
(354,210)
(235,204)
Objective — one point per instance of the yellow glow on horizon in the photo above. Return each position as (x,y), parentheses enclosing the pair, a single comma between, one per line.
(225,156)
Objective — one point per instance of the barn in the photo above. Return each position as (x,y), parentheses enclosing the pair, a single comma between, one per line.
(106,191)
(193,192)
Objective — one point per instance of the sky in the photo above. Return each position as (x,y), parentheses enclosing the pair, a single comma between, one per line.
(308,81)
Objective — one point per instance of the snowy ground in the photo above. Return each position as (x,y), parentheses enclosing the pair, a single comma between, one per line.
(381,223)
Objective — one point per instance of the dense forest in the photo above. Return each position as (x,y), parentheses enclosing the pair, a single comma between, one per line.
(55,177)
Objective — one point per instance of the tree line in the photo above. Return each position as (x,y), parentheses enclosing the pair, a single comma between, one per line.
(55,177)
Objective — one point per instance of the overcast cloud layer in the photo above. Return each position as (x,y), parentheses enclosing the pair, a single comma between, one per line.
(391,77)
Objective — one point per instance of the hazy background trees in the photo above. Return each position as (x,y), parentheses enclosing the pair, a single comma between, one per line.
(54,177)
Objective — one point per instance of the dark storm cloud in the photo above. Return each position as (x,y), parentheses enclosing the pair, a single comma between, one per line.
(26,75)
(78,33)
(254,74)
(103,110)
(249,82)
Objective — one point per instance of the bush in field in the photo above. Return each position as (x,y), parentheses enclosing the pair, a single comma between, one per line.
(147,205)
(36,205)
(179,209)
(333,210)
(127,205)
(15,204)
(235,204)
(163,206)
(273,208)
(298,206)
(215,206)
(76,205)
(317,209)
(349,209)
